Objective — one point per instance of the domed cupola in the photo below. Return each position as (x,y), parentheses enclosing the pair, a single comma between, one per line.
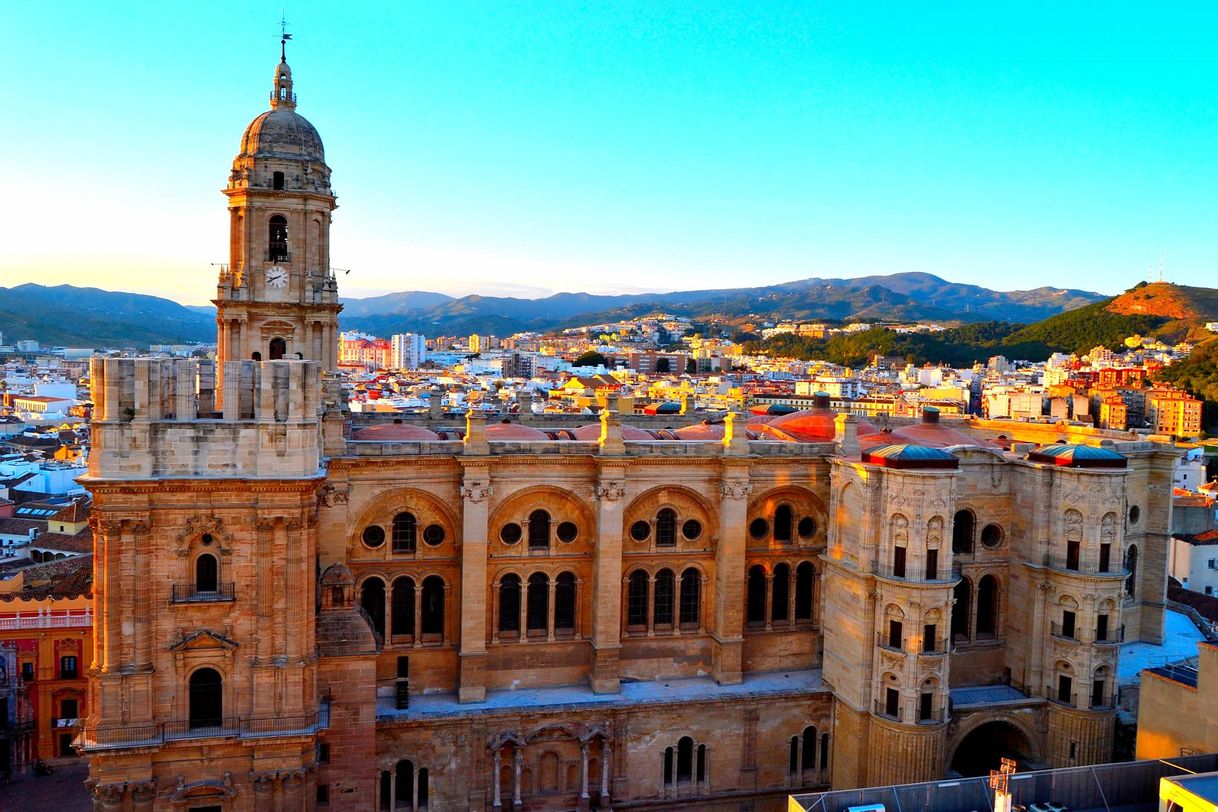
(281,132)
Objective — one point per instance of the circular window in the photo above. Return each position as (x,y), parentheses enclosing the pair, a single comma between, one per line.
(759,528)
(206,539)
(509,533)
(433,535)
(374,535)
(806,527)
(691,529)
(639,531)
(1134,513)
(567,531)
(991,535)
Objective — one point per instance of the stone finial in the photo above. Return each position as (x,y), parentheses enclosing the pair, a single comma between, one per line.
(735,439)
(684,403)
(525,398)
(435,403)
(475,433)
(846,435)
(611,441)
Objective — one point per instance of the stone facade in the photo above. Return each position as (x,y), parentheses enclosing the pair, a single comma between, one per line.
(289,617)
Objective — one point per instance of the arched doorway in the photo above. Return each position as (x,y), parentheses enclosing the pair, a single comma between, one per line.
(984,748)
(278,349)
(206,698)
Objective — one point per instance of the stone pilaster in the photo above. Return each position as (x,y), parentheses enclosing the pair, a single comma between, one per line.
(475,505)
(728,626)
(607,578)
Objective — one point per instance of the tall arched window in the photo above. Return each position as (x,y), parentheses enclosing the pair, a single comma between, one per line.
(666,528)
(564,602)
(685,760)
(372,601)
(962,609)
(1131,564)
(207,573)
(663,600)
(636,599)
(781,589)
(962,532)
(401,612)
(433,605)
(691,597)
(755,602)
(509,603)
(538,610)
(782,524)
(987,606)
(277,238)
(206,698)
(805,578)
(405,531)
(278,349)
(404,795)
(539,530)
(808,761)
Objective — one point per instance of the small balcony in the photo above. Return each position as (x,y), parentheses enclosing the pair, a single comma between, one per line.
(942,575)
(885,642)
(1110,637)
(882,709)
(232,727)
(190,593)
(1069,635)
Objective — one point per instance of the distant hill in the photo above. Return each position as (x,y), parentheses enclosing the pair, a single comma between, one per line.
(69,316)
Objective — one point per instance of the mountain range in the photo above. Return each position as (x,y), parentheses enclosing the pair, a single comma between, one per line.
(72,316)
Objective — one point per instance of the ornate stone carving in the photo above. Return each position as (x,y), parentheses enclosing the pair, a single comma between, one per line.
(610,491)
(328,496)
(263,782)
(735,490)
(934,530)
(109,795)
(144,791)
(1073,524)
(477,491)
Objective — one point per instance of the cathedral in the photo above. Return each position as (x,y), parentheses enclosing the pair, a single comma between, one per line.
(300,608)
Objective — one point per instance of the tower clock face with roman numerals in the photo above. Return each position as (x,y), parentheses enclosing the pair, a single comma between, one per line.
(276,277)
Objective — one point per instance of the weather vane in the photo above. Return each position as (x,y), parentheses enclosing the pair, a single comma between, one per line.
(284,36)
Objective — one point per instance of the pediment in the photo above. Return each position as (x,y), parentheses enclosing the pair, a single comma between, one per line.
(204,640)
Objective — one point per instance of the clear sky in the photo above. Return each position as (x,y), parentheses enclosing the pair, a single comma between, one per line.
(530,147)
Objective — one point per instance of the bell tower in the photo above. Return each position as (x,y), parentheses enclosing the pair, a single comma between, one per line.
(277,297)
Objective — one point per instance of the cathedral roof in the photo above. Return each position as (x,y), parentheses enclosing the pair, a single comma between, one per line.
(908,455)
(282,133)
(592,431)
(396,431)
(818,425)
(1078,456)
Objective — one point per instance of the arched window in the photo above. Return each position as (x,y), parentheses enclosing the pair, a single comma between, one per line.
(691,597)
(278,349)
(685,760)
(433,605)
(509,603)
(782,524)
(808,762)
(372,601)
(666,528)
(405,533)
(793,756)
(564,602)
(780,599)
(256,356)
(636,599)
(824,751)
(987,607)
(206,698)
(664,594)
(805,579)
(701,774)
(756,595)
(538,610)
(404,795)
(962,532)
(424,789)
(962,609)
(277,238)
(401,611)
(539,530)
(277,180)
(207,573)
(1131,564)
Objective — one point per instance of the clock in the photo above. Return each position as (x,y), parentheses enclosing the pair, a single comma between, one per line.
(276,277)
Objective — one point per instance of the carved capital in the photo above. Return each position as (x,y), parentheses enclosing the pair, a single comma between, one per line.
(610,491)
(477,491)
(263,782)
(328,495)
(144,791)
(735,490)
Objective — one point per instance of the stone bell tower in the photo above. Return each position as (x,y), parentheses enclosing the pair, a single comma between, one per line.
(277,297)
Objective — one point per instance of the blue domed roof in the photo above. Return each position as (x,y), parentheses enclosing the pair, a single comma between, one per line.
(908,455)
(1078,456)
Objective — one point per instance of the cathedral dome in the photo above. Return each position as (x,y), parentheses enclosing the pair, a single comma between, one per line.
(282,133)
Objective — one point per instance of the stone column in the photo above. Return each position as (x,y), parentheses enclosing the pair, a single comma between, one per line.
(518,762)
(604,771)
(495,772)
(607,579)
(583,771)
(475,504)
(728,627)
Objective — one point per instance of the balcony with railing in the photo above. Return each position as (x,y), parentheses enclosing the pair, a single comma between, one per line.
(1070,635)
(1054,695)
(882,709)
(47,619)
(1109,637)
(190,593)
(919,575)
(884,641)
(232,727)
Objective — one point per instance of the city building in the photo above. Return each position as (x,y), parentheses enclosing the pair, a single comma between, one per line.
(295,610)
(408,350)
(1176,707)
(1170,411)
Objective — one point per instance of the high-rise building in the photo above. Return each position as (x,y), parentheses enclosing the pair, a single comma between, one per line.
(408,350)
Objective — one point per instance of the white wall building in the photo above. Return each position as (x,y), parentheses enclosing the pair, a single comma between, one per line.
(1194,563)
(408,350)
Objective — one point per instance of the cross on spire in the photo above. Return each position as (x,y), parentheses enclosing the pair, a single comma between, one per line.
(284,36)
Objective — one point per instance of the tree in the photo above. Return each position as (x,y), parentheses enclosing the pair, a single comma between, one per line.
(662,365)
(591,358)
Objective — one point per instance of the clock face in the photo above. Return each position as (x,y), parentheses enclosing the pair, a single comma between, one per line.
(276,277)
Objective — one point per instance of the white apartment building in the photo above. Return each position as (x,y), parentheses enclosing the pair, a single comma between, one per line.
(407,350)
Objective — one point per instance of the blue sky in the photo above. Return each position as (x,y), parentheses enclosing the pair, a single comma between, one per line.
(530,147)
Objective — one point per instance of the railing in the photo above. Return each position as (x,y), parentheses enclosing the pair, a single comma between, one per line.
(918,574)
(1052,694)
(882,640)
(936,717)
(1057,631)
(46,620)
(188,593)
(1111,637)
(158,733)
(278,255)
(881,709)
